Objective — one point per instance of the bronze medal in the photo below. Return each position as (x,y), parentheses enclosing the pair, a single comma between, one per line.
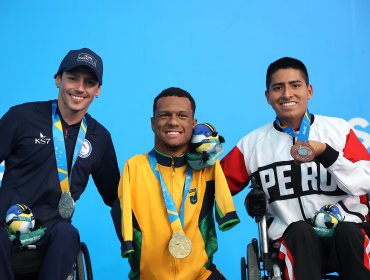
(302,152)
(66,205)
(179,246)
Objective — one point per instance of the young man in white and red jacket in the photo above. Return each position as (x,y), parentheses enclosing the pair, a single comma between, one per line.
(306,163)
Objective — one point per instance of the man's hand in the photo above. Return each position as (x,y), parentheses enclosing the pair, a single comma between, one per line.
(318,147)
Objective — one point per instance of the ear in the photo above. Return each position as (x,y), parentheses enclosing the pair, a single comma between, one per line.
(309,91)
(195,121)
(152,123)
(267,97)
(58,80)
(97,93)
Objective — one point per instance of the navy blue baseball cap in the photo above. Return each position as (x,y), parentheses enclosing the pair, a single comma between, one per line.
(82,57)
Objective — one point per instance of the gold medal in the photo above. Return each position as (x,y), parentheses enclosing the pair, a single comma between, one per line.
(302,152)
(179,246)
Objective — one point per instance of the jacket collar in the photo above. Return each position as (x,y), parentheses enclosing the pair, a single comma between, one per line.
(278,128)
(166,160)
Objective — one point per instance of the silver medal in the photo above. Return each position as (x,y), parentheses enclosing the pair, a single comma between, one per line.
(66,205)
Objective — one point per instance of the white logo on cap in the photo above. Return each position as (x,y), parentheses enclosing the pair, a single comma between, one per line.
(87,58)
(86,149)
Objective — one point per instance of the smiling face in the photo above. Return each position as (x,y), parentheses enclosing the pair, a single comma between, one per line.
(77,89)
(288,95)
(173,124)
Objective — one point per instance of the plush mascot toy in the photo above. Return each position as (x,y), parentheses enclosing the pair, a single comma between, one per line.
(326,220)
(19,217)
(205,146)
(23,228)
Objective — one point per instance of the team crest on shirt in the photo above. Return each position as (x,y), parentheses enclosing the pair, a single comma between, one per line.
(193,196)
(85,149)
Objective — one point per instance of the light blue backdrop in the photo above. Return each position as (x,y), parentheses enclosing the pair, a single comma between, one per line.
(217,50)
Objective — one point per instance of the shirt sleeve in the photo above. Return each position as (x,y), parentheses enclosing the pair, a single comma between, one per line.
(226,215)
(350,167)
(124,196)
(106,175)
(234,168)
(8,132)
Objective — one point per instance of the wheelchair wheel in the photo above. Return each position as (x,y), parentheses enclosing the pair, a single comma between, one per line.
(79,268)
(243,268)
(253,268)
(83,264)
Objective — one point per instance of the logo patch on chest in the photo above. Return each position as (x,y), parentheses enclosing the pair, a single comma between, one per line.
(42,140)
(193,196)
(86,149)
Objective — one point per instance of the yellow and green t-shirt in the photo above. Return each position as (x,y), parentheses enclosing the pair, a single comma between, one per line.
(146,228)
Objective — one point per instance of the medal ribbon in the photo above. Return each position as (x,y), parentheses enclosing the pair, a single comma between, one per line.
(176,220)
(304,129)
(60,149)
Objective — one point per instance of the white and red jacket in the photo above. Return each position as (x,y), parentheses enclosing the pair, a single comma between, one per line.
(341,175)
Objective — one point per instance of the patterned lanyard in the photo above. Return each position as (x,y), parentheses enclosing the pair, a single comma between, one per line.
(60,150)
(304,129)
(176,220)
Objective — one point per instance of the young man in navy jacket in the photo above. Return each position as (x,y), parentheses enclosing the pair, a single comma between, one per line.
(50,149)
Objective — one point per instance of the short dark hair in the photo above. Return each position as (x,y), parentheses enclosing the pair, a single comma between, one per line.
(284,63)
(174,91)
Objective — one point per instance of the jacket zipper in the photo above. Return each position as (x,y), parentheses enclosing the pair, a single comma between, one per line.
(299,198)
